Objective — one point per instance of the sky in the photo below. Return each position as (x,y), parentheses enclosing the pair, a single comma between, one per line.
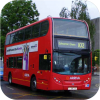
(53,8)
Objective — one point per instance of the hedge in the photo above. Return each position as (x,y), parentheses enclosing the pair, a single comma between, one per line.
(97,54)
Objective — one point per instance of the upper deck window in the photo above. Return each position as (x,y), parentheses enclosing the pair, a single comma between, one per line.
(7,39)
(65,27)
(37,30)
(44,28)
(27,33)
(12,38)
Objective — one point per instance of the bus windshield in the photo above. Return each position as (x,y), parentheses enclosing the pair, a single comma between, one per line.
(71,64)
(66,27)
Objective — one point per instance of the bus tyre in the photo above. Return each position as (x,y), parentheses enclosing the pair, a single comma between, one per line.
(33,84)
(10,79)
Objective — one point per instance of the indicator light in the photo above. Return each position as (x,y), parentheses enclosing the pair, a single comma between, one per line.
(87,80)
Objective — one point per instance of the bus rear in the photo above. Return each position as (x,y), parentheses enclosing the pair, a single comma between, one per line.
(71,62)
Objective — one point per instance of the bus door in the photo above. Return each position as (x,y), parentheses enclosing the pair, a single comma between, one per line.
(44,70)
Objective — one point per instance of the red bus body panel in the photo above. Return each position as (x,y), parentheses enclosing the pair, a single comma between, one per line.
(66,82)
(18,75)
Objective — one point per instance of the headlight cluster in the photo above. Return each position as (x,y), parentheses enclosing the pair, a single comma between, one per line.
(86,80)
(57,80)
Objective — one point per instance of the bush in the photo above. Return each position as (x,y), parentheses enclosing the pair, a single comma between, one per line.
(96,53)
(93,61)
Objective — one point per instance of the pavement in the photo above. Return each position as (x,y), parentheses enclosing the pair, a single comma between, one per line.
(97,73)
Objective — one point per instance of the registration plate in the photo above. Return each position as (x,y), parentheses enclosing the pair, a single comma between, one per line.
(72,88)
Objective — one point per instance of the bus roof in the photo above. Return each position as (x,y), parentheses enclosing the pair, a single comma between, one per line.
(28,25)
(41,21)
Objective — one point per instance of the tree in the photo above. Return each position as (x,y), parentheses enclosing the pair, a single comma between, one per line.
(19,13)
(16,14)
(3,30)
(79,11)
(2,39)
(64,12)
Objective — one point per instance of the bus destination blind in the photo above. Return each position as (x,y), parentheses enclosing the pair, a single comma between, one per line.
(72,44)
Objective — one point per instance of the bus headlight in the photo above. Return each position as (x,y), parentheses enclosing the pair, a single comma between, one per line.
(86,80)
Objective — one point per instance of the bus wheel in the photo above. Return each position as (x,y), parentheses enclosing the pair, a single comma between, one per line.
(33,84)
(10,79)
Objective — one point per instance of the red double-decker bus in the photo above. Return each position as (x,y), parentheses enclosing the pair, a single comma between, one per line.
(51,54)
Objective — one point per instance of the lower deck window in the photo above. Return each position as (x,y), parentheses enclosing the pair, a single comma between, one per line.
(11,62)
(14,62)
(19,62)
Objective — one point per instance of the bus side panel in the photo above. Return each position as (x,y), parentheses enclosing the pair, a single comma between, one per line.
(23,77)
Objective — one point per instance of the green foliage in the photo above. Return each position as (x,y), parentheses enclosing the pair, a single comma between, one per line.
(19,13)
(93,60)
(4,26)
(79,11)
(16,14)
(97,54)
(2,39)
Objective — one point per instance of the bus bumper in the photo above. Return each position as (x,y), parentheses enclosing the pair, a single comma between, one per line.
(59,83)
(60,86)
